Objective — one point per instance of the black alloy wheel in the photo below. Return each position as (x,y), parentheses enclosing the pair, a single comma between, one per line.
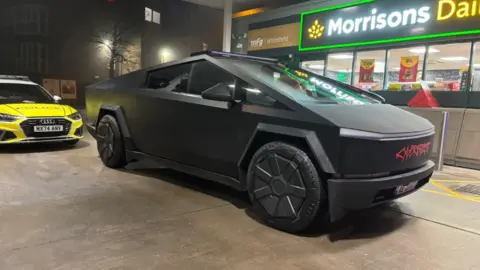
(285,188)
(110,143)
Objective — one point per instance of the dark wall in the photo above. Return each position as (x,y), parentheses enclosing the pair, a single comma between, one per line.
(73,24)
(184,27)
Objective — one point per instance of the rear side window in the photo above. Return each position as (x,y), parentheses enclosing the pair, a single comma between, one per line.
(192,78)
(170,78)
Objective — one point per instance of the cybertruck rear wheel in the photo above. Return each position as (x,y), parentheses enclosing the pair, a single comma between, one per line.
(110,143)
(285,188)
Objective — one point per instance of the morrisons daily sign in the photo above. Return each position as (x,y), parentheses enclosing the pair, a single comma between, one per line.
(369,22)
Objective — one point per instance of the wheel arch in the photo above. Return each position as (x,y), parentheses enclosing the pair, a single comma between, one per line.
(305,139)
(117,112)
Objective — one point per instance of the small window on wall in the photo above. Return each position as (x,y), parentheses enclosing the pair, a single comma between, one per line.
(448,67)
(316,67)
(339,67)
(369,70)
(405,69)
(476,68)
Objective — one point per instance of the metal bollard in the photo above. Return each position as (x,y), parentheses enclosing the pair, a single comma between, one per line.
(441,141)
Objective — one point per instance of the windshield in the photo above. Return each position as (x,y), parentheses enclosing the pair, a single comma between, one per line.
(23,93)
(306,87)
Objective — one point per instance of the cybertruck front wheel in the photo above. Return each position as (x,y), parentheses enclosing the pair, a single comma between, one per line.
(110,143)
(285,188)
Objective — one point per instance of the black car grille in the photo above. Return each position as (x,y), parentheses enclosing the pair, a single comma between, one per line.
(28,127)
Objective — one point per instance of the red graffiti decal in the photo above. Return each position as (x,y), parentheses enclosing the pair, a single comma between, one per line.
(410,151)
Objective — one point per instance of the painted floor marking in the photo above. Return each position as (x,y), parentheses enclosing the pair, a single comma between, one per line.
(451,193)
(456,181)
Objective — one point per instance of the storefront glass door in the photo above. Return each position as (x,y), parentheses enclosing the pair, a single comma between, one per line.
(339,67)
(448,67)
(316,67)
(476,68)
(370,70)
(405,67)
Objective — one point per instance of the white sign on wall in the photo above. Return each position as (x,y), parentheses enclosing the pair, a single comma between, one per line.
(156,17)
(148,14)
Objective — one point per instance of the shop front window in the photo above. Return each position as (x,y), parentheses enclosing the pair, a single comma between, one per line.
(339,67)
(448,67)
(316,67)
(405,69)
(370,70)
(476,68)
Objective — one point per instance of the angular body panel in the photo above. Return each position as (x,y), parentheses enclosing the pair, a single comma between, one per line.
(208,114)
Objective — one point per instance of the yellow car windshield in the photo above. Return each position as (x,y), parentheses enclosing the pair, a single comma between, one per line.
(23,93)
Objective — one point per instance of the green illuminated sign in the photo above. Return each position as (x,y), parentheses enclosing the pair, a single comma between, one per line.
(372,22)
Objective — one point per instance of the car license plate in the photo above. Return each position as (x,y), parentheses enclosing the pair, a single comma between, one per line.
(405,188)
(57,128)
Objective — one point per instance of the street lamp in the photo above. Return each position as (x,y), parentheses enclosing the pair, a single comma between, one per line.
(164,54)
(107,42)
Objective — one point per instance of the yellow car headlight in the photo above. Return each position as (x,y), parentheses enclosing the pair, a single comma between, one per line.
(75,116)
(9,118)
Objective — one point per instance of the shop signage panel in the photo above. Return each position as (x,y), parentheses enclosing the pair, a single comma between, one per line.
(367,67)
(370,22)
(52,86)
(275,37)
(68,89)
(408,69)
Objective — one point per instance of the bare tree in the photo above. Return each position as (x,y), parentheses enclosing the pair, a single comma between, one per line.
(116,41)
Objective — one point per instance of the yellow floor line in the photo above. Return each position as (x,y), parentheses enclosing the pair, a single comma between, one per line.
(466,198)
(455,194)
(439,193)
(456,181)
(449,190)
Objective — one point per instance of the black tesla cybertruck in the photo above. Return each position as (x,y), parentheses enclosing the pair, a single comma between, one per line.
(304,146)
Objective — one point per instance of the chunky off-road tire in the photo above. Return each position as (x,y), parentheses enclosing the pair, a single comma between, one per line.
(71,142)
(110,143)
(285,188)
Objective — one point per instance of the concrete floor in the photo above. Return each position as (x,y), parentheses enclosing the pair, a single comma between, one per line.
(61,209)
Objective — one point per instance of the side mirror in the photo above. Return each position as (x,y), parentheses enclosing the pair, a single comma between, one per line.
(219,92)
(56,98)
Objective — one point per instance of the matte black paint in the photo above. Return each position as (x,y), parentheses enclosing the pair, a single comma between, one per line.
(353,194)
(381,155)
(308,135)
(213,139)
(232,182)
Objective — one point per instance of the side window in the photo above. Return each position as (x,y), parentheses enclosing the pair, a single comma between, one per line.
(253,96)
(205,75)
(174,78)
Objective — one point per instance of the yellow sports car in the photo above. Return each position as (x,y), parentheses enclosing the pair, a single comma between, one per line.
(30,114)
